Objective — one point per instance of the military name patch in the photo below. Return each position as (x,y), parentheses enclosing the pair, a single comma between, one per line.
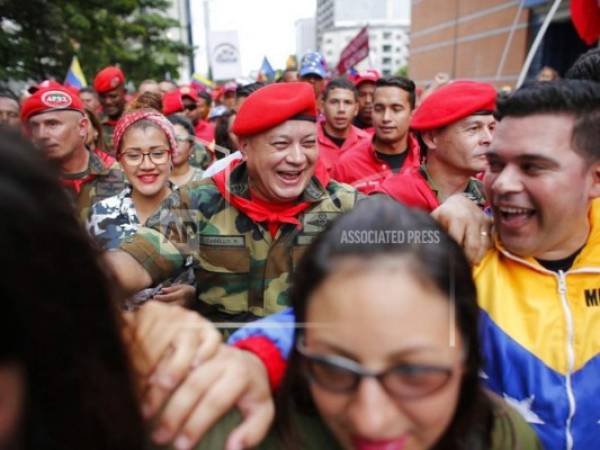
(223,241)
(317,221)
(305,239)
(56,99)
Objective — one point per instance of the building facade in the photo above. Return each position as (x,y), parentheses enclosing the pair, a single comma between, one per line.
(487,40)
(305,36)
(338,21)
(388,47)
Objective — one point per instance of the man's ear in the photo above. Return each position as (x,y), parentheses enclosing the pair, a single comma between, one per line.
(244,146)
(83,126)
(430,139)
(595,173)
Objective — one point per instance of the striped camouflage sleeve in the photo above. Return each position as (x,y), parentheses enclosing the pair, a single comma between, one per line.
(154,252)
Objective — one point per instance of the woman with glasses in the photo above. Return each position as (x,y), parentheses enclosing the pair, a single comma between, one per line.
(183,172)
(144,142)
(386,352)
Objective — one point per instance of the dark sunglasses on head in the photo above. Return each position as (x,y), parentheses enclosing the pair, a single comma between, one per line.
(342,375)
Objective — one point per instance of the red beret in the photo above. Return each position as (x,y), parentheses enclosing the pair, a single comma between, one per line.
(50,99)
(189,91)
(108,79)
(453,102)
(272,105)
(172,103)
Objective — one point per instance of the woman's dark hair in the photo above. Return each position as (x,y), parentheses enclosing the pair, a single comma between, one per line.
(58,320)
(99,141)
(222,137)
(362,233)
(178,119)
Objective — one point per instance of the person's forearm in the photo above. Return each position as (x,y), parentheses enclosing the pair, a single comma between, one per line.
(129,274)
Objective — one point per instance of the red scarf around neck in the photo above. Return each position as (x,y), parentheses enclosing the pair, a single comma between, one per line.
(274,214)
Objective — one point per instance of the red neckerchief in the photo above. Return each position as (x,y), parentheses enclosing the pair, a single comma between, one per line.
(258,210)
(75,185)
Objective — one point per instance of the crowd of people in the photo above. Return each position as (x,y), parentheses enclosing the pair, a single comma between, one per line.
(310,263)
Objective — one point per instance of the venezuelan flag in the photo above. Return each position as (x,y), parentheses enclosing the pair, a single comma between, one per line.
(202,81)
(75,77)
(266,71)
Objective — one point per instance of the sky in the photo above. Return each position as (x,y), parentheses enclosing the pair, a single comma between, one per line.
(265,28)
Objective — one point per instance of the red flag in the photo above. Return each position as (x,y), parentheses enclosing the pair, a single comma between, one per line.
(586,18)
(356,50)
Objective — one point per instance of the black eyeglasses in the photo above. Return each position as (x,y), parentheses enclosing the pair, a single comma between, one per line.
(342,375)
(190,106)
(134,158)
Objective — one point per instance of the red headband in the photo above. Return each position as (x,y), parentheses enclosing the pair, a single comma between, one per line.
(143,114)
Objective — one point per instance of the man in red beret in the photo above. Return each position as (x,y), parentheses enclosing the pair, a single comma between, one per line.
(365,83)
(455,124)
(336,134)
(110,86)
(247,226)
(54,119)
(392,149)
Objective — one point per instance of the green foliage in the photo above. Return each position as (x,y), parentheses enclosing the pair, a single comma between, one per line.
(39,37)
(402,72)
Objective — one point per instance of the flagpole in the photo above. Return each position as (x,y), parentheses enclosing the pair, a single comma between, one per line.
(509,40)
(537,42)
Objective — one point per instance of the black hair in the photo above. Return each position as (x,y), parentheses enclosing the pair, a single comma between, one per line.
(59,321)
(7,93)
(340,83)
(578,98)
(88,90)
(179,119)
(222,137)
(401,83)
(99,142)
(206,97)
(441,263)
(587,67)
(247,89)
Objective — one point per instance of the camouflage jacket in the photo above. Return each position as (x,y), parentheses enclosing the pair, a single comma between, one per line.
(108,128)
(113,219)
(242,272)
(200,157)
(105,181)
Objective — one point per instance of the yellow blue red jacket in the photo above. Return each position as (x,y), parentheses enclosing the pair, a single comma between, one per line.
(540,333)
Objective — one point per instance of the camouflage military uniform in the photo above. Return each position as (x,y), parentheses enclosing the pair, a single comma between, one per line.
(474,190)
(200,156)
(242,272)
(104,182)
(108,128)
(114,219)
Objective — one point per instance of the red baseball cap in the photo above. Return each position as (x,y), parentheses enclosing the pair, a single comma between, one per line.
(108,79)
(55,98)
(172,102)
(370,75)
(189,91)
(453,102)
(272,105)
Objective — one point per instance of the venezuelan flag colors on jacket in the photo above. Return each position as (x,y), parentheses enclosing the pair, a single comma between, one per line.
(540,334)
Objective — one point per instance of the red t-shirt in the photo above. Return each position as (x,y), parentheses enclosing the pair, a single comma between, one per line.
(329,152)
(362,168)
(205,131)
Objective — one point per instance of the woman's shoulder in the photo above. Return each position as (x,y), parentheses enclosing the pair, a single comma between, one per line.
(510,430)
(310,429)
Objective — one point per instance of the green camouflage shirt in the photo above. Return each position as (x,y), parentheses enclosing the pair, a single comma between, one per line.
(474,190)
(108,129)
(242,272)
(105,182)
(200,157)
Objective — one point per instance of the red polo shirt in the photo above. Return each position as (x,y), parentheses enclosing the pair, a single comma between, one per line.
(360,166)
(329,152)
(205,131)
